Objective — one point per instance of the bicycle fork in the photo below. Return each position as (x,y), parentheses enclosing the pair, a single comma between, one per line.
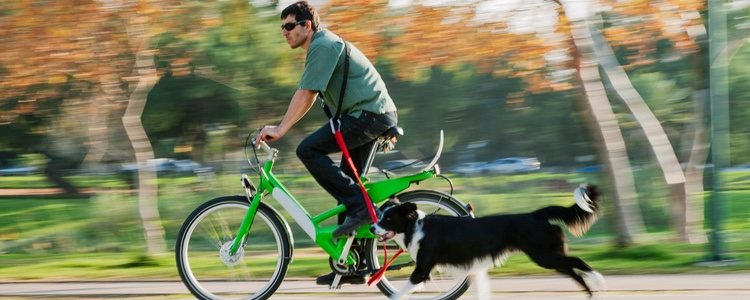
(251,194)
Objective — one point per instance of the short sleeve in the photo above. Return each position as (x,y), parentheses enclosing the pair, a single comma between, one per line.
(319,66)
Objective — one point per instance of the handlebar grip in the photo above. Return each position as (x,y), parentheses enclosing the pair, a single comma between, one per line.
(263,144)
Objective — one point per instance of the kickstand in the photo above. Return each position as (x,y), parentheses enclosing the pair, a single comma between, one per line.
(336,283)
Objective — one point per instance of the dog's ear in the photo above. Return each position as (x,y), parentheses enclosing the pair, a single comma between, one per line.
(409,210)
(408,206)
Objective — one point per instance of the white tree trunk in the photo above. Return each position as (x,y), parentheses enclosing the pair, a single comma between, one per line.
(651,126)
(147,187)
(685,210)
(628,219)
(692,209)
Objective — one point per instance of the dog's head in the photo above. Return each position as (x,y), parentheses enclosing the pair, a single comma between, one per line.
(395,219)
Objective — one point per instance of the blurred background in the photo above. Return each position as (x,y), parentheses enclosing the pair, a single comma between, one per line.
(118,118)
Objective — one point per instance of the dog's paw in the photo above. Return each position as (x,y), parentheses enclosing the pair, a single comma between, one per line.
(597,280)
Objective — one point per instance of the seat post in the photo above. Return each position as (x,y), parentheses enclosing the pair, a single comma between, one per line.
(371,157)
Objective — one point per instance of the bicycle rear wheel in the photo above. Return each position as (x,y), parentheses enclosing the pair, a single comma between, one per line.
(442,285)
(254,272)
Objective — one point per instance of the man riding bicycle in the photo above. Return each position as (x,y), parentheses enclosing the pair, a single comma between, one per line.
(367,111)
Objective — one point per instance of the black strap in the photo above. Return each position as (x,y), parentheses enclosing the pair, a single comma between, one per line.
(347,53)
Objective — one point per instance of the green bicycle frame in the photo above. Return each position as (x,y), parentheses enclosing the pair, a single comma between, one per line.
(379,191)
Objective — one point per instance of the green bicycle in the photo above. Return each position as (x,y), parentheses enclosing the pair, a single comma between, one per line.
(239,247)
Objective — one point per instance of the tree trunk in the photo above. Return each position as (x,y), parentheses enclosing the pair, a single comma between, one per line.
(612,149)
(52,173)
(690,225)
(147,188)
(683,193)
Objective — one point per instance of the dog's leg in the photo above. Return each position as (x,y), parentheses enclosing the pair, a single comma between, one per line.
(563,264)
(420,274)
(481,281)
(577,278)
(597,280)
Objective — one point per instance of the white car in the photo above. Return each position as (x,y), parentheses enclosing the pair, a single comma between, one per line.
(18,170)
(169,165)
(470,168)
(514,165)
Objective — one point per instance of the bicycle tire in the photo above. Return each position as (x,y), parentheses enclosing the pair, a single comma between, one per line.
(441,286)
(254,272)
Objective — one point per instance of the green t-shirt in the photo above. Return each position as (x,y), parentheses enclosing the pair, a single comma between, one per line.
(324,72)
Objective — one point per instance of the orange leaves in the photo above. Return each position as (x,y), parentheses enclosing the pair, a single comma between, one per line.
(419,37)
(638,25)
(54,43)
(359,21)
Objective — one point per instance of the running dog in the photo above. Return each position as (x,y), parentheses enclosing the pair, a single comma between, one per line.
(473,246)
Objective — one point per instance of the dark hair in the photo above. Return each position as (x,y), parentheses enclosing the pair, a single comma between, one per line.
(301,10)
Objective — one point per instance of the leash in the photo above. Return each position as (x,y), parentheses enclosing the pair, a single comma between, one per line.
(375,278)
(335,124)
(350,162)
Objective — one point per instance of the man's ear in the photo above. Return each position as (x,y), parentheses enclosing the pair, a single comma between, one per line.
(308,25)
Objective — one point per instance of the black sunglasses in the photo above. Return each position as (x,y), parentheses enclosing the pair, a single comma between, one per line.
(289,26)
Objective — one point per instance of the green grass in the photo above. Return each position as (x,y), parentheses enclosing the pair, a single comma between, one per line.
(100,237)
(643,259)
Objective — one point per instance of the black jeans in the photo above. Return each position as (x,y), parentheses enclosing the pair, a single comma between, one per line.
(359,135)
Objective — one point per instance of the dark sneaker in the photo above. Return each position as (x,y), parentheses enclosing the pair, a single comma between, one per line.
(358,217)
(350,279)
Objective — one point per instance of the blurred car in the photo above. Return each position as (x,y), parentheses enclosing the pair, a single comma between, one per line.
(514,165)
(17,170)
(739,168)
(170,165)
(400,165)
(470,168)
(589,169)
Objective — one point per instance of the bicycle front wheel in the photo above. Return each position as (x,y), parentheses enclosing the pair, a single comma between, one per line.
(204,261)
(442,285)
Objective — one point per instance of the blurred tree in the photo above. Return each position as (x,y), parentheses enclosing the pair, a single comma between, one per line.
(43,62)
(659,34)
(738,52)
(107,50)
(611,146)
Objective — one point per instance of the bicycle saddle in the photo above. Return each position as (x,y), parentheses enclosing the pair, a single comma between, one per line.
(393,132)
(390,137)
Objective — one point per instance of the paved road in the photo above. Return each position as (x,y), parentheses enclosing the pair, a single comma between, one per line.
(657,287)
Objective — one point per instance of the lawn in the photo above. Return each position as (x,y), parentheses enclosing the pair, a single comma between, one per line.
(100,237)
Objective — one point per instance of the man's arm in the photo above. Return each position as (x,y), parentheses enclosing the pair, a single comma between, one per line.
(298,107)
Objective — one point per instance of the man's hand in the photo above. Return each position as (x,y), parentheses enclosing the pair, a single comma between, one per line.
(269,133)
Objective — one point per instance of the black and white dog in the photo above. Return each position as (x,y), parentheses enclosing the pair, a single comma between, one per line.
(473,246)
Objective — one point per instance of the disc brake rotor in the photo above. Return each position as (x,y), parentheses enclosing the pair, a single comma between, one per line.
(227,258)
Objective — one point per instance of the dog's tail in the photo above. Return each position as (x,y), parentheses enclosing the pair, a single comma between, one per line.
(579,217)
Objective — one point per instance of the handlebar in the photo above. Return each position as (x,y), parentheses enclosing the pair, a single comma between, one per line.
(255,143)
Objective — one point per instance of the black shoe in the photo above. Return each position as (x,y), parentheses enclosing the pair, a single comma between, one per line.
(358,217)
(350,279)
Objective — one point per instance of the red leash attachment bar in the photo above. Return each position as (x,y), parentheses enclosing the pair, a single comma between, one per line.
(375,278)
(348,158)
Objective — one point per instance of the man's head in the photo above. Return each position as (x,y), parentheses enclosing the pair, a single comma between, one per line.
(298,22)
